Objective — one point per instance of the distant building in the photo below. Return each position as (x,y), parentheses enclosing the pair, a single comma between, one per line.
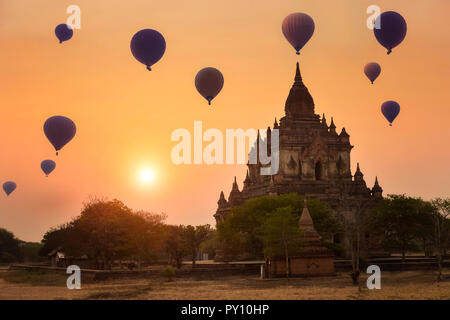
(314,162)
(61,260)
(56,257)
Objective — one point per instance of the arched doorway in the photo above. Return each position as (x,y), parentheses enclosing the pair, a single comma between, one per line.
(300,173)
(318,170)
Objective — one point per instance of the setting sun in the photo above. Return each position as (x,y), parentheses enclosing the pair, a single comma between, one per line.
(147,175)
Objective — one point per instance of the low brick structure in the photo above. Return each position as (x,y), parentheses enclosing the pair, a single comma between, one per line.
(314,260)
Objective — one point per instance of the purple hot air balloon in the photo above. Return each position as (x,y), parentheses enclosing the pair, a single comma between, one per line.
(390,110)
(9,187)
(298,28)
(372,71)
(392,29)
(59,131)
(63,32)
(209,82)
(148,46)
(48,166)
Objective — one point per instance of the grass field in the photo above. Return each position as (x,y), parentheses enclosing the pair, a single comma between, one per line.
(394,285)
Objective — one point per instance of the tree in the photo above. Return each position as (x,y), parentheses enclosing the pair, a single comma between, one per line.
(174,245)
(240,233)
(107,231)
(64,236)
(441,221)
(193,238)
(9,246)
(281,235)
(30,251)
(145,235)
(211,244)
(401,219)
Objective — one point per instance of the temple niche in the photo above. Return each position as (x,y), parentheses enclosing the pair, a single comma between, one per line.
(314,162)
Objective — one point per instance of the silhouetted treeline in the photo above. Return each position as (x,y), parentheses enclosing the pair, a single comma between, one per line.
(109,231)
(13,249)
(406,224)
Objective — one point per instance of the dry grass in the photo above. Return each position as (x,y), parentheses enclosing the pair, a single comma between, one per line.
(395,285)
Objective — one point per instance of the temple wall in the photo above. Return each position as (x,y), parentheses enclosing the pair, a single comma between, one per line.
(303,266)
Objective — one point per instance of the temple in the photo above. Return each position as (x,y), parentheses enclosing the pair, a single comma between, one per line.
(314,260)
(314,161)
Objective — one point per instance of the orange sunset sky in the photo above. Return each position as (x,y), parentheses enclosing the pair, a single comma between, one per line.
(125,115)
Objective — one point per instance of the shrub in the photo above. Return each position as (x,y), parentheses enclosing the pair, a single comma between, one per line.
(169,273)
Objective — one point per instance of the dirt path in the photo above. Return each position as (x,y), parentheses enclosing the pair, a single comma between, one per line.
(395,285)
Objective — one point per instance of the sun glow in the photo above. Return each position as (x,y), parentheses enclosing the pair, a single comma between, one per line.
(147,175)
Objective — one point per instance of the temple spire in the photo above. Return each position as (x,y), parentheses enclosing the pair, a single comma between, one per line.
(358,174)
(377,191)
(306,223)
(298,81)
(324,120)
(299,103)
(247,180)
(343,133)
(376,182)
(222,201)
(332,127)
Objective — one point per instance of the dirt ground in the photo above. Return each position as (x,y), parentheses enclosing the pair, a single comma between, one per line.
(394,285)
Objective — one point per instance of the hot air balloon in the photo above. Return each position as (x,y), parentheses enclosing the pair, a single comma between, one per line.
(392,29)
(63,32)
(148,46)
(59,131)
(9,187)
(372,71)
(390,110)
(298,28)
(48,166)
(209,82)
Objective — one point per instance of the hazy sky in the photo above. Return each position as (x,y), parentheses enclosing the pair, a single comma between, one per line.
(125,115)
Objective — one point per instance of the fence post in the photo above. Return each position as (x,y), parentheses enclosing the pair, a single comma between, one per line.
(263,271)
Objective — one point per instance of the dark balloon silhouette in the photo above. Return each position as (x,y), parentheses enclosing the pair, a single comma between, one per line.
(48,166)
(9,187)
(63,32)
(148,47)
(209,82)
(390,110)
(59,131)
(298,28)
(392,29)
(372,71)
